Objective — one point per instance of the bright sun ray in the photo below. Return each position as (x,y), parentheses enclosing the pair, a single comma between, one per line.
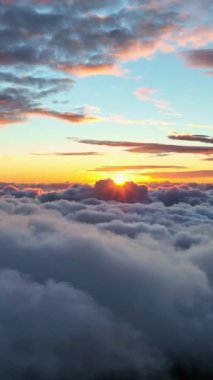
(119,180)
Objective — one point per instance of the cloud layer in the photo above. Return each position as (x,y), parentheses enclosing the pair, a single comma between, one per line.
(93,289)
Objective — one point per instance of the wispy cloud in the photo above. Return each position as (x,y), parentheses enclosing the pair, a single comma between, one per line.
(149,94)
(68,154)
(115,168)
(120,119)
(71,117)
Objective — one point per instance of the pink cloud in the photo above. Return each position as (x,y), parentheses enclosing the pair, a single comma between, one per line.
(148,94)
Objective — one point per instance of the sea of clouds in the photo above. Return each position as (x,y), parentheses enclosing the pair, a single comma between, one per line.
(105,282)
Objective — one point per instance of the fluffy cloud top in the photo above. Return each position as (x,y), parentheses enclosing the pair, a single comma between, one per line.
(95,289)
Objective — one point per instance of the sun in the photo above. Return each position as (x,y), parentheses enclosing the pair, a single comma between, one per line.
(119,180)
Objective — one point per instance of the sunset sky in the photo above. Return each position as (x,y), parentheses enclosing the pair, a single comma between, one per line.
(105,89)
(106,189)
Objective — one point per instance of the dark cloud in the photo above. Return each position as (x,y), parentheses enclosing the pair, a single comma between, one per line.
(24,94)
(190,137)
(106,189)
(129,192)
(182,194)
(59,324)
(137,147)
(108,143)
(103,189)
(167,148)
(201,58)
(74,192)
(19,193)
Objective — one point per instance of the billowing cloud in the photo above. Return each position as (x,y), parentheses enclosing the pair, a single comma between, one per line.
(129,192)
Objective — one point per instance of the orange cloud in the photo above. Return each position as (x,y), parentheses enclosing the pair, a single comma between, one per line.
(134,167)
(91,69)
(67,116)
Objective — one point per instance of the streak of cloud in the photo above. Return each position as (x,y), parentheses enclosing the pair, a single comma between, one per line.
(137,147)
(190,137)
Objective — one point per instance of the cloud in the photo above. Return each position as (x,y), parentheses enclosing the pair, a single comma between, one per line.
(201,58)
(167,148)
(107,289)
(137,147)
(147,94)
(129,192)
(68,154)
(188,194)
(134,167)
(94,69)
(67,116)
(75,38)
(21,93)
(103,189)
(108,143)
(57,323)
(144,93)
(190,137)
(30,192)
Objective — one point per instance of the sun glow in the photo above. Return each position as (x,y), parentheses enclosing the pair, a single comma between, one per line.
(119,180)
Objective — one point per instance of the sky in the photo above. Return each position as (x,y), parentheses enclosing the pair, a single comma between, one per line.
(116,89)
(106,190)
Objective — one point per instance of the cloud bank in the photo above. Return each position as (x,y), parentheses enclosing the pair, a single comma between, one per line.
(96,289)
